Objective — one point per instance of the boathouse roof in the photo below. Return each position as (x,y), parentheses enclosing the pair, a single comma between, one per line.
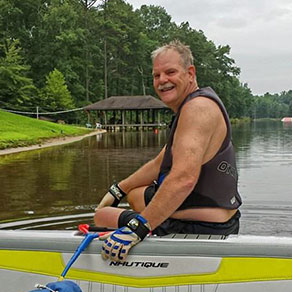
(137,102)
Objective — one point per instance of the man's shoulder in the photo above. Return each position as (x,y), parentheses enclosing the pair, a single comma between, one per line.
(202,112)
(201,103)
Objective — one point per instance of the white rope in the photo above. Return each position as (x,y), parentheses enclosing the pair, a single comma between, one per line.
(42,113)
(61,112)
(19,112)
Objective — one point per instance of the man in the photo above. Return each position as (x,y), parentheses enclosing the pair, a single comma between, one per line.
(196,189)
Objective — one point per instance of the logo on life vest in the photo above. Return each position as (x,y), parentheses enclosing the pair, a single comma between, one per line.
(233,200)
(227,168)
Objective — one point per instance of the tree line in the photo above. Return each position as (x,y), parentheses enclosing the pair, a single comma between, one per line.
(276,105)
(64,54)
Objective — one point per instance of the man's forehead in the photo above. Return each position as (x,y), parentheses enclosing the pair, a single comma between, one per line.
(168,58)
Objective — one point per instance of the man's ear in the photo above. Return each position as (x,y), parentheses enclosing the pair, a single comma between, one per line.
(192,72)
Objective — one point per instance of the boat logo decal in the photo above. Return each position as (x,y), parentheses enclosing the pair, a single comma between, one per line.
(140,264)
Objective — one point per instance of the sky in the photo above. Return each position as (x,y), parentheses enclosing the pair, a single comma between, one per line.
(259,33)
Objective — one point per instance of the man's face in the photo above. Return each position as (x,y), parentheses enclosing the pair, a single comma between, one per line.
(172,82)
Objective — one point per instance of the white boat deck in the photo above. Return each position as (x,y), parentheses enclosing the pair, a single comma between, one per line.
(174,263)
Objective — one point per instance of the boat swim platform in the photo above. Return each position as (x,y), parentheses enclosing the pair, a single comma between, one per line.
(175,263)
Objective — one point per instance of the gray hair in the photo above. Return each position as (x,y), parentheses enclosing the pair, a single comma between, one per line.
(183,50)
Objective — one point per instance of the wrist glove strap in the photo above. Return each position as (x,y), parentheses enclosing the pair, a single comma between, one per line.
(140,226)
(117,193)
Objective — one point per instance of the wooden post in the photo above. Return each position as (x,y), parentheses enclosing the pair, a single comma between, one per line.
(123,117)
(137,120)
(88,117)
(141,117)
(105,117)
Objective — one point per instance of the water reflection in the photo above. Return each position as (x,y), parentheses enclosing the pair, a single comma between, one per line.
(71,178)
(63,184)
(265,162)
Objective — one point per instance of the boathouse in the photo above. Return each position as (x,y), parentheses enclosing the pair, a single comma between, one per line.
(129,111)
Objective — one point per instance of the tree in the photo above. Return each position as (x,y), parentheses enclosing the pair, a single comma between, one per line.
(16,89)
(158,29)
(55,95)
(158,24)
(103,48)
(239,97)
(273,105)
(89,43)
(124,51)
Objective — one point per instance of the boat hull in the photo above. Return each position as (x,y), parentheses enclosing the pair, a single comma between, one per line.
(173,263)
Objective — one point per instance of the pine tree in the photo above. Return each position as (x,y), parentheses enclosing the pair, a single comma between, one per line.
(16,88)
(55,95)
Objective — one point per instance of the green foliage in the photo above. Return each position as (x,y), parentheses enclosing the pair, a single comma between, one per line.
(158,24)
(273,105)
(16,89)
(124,51)
(58,44)
(55,94)
(103,48)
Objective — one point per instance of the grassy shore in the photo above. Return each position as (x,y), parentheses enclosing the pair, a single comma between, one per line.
(235,121)
(18,131)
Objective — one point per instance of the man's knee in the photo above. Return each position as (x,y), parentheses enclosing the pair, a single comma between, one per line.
(136,199)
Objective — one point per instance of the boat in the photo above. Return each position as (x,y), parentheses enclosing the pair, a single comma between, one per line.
(173,263)
(286,120)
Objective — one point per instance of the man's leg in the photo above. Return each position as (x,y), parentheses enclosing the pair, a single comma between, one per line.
(136,199)
(109,216)
(171,225)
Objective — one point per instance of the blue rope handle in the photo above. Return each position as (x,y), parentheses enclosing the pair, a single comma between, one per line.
(85,242)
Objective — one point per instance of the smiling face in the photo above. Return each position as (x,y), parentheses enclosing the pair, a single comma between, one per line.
(172,81)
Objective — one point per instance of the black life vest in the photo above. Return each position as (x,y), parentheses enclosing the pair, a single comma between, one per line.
(217,185)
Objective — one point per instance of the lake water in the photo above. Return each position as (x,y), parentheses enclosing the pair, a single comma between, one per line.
(59,187)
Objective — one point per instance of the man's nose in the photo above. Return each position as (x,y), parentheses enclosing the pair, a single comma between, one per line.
(163,78)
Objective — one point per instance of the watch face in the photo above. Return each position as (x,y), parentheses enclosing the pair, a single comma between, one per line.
(133,223)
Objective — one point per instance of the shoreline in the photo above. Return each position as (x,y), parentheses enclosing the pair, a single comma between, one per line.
(50,143)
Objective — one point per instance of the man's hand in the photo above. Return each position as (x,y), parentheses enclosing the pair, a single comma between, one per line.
(112,197)
(119,242)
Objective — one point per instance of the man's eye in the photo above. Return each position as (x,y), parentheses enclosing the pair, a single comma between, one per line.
(171,72)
